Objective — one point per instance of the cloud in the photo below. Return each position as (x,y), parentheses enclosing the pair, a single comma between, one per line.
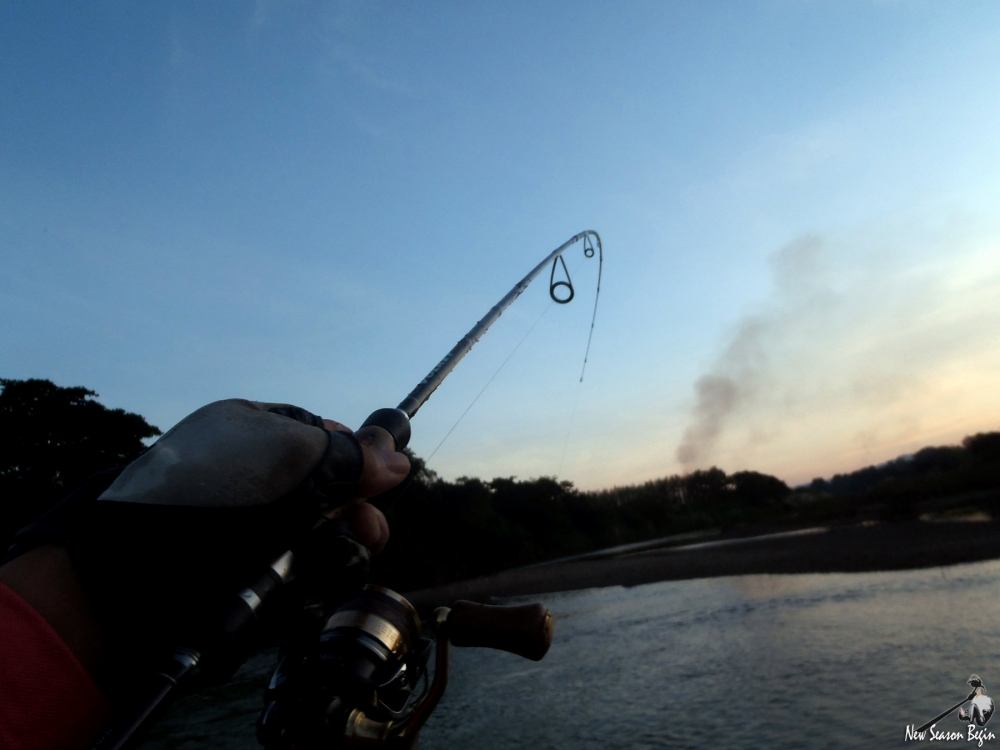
(348,35)
(362,69)
(258,19)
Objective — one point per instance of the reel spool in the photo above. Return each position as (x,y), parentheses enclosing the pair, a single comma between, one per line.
(364,682)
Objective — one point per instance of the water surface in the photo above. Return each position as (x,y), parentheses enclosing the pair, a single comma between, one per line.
(776,661)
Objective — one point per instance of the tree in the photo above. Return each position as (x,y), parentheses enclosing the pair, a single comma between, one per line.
(705,486)
(983,446)
(755,490)
(52,438)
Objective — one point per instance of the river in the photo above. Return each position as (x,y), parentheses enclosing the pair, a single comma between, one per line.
(776,661)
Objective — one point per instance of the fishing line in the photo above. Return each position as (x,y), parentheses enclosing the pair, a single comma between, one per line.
(492,378)
(561,292)
(588,252)
(569,429)
(397,421)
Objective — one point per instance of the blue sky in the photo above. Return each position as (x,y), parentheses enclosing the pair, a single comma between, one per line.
(311,202)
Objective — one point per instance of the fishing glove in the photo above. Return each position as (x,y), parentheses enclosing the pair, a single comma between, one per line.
(161,546)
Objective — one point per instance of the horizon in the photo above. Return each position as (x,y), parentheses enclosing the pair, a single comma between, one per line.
(728,471)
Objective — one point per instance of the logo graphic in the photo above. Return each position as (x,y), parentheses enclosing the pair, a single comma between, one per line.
(976,709)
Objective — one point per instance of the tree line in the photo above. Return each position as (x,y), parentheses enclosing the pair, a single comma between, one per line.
(444,531)
(52,438)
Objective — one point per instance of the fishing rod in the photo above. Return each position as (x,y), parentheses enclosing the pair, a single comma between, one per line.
(371,650)
(397,421)
(936,719)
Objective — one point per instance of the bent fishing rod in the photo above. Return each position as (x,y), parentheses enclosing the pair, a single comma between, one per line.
(390,646)
(397,421)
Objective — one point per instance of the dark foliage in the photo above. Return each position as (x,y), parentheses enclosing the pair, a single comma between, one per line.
(965,476)
(54,437)
(51,438)
(446,531)
(443,531)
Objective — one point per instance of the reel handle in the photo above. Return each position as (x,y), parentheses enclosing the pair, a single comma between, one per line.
(523,629)
(394,421)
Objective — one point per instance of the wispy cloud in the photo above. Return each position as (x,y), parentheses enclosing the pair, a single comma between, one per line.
(337,34)
(258,20)
(365,70)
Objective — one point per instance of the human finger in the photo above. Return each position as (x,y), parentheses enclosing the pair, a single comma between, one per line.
(367,524)
(384,467)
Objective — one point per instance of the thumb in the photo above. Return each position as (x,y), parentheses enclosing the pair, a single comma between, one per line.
(384,466)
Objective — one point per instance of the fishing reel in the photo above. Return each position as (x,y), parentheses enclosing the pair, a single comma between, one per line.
(365,680)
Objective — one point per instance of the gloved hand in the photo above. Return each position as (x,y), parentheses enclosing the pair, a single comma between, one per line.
(211,504)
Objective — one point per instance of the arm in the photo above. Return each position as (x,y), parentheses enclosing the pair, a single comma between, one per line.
(49,576)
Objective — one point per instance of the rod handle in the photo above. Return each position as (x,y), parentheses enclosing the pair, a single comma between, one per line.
(394,421)
(523,629)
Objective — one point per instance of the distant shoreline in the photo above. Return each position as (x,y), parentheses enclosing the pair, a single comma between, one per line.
(837,549)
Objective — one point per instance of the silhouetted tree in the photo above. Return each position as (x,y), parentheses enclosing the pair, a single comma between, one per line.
(935,459)
(983,446)
(51,438)
(755,490)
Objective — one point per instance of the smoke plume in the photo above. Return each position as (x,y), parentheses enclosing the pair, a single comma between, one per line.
(745,366)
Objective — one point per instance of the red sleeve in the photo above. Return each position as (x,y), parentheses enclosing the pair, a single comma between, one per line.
(49,700)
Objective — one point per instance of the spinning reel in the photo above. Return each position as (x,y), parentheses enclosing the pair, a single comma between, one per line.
(364,682)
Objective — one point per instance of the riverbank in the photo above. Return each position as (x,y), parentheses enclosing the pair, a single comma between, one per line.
(836,549)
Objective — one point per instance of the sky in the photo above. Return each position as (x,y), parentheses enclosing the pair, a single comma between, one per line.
(311,202)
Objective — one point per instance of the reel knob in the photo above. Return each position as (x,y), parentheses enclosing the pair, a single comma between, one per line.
(524,629)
